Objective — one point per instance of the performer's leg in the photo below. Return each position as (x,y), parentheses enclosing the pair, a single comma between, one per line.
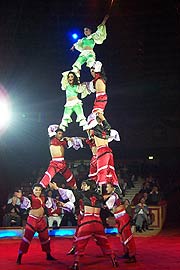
(82,238)
(113,179)
(66,172)
(104,244)
(78,109)
(90,60)
(30,230)
(93,168)
(100,103)
(68,110)
(44,238)
(49,174)
(79,62)
(102,167)
(127,236)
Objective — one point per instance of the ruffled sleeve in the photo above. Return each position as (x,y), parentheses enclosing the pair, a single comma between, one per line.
(100,35)
(78,45)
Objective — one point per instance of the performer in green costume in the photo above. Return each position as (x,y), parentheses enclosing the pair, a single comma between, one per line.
(86,45)
(70,83)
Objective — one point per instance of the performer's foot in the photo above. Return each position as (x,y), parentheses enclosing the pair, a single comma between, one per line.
(114,261)
(49,257)
(131,260)
(75,266)
(19,259)
(71,251)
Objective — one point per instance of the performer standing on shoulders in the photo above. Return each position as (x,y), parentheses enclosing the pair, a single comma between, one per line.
(99,83)
(57,164)
(36,222)
(71,85)
(105,161)
(86,45)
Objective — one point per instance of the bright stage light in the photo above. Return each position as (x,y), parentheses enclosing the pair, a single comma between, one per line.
(74,36)
(5,110)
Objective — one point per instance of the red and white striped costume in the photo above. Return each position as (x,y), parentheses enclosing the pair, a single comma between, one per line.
(105,160)
(101,97)
(105,166)
(91,225)
(35,224)
(58,165)
(93,162)
(123,224)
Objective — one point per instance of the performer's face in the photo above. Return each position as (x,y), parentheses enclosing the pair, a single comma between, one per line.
(92,72)
(84,186)
(109,188)
(59,135)
(87,31)
(37,191)
(71,78)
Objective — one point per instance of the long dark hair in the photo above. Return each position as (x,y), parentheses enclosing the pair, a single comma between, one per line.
(103,74)
(76,80)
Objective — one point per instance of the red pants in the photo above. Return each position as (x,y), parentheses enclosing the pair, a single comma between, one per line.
(105,166)
(58,167)
(91,225)
(100,102)
(124,228)
(35,225)
(93,168)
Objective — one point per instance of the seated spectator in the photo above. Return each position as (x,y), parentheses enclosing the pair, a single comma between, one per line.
(136,198)
(146,187)
(128,208)
(54,211)
(154,196)
(66,202)
(25,205)
(141,217)
(12,213)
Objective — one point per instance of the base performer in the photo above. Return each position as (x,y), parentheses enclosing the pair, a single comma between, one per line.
(91,224)
(36,222)
(114,203)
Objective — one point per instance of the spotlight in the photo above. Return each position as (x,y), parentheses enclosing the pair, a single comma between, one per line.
(5,109)
(75,36)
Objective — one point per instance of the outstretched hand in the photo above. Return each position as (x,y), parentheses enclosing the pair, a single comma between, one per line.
(72,48)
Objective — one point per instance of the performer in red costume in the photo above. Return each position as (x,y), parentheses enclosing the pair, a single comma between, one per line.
(105,161)
(91,224)
(93,162)
(114,203)
(58,164)
(99,83)
(36,222)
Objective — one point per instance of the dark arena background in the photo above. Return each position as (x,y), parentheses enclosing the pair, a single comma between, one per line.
(141,59)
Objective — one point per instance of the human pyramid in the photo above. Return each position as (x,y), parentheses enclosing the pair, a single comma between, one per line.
(101,173)
(98,129)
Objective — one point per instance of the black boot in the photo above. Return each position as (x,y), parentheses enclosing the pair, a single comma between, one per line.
(72,251)
(49,257)
(19,258)
(114,262)
(125,256)
(131,260)
(75,266)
